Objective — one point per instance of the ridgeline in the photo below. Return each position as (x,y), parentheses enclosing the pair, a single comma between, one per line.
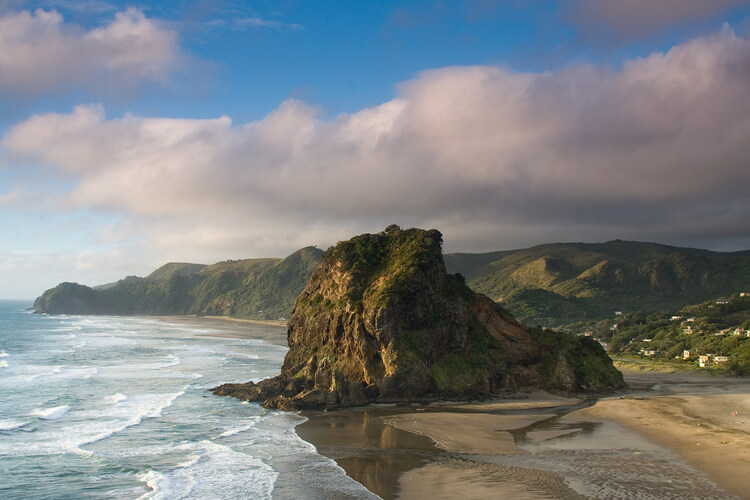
(549,285)
(253,289)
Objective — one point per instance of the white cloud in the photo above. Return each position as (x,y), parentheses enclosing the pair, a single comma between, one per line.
(40,53)
(495,158)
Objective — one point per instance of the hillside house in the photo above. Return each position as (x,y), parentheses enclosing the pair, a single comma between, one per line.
(704,359)
(690,329)
(649,352)
(675,318)
(685,354)
(721,359)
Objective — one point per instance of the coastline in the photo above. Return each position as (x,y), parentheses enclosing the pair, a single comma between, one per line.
(674,434)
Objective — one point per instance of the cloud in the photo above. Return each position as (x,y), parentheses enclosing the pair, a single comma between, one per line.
(40,53)
(495,158)
(631,20)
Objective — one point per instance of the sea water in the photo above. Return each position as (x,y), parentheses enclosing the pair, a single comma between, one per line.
(119,408)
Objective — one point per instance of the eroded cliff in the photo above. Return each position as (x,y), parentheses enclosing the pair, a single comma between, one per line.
(382,321)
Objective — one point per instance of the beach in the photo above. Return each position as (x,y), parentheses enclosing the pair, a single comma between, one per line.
(667,436)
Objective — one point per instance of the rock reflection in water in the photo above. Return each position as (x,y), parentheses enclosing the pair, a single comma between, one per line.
(370,452)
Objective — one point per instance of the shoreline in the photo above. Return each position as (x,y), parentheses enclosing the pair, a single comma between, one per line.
(226,327)
(672,433)
(267,322)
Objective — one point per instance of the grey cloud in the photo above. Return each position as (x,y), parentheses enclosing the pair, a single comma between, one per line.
(495,158)
(609,21)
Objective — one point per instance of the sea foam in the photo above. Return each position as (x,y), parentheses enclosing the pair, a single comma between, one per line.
(214,471)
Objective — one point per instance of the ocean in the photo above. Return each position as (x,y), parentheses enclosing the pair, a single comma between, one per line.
(119,408)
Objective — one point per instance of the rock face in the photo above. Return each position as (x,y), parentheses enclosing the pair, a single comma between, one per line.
(381,321)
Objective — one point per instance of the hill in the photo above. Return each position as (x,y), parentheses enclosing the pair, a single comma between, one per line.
(251,288)
(382,321)
(561,283)
(719,327)
(549,285)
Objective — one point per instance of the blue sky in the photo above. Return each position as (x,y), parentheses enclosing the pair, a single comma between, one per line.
(136,133)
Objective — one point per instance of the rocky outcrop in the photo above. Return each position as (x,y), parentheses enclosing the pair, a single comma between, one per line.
(382,321)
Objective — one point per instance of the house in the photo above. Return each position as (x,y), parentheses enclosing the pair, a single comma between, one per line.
(690,329)
(704,359)
(649,352)
(690,319)
(685,354)
(722,302)
(721,359)
(737,332)
(744,294)
(648,340)
(675,318)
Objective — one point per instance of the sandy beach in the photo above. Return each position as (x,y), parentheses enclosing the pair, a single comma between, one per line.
(273,332)
(668,436)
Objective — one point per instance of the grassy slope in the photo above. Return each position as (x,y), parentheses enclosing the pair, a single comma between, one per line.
(561,283)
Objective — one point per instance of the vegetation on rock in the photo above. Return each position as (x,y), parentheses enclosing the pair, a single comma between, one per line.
(382,320)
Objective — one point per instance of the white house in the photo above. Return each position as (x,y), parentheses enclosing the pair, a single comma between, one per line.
(721,359)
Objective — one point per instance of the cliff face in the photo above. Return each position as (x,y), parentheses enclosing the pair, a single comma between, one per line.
(381,321)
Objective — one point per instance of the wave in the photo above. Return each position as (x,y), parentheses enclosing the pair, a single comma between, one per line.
(211,471)
(10,424)
(51,413)
(174,361)
(3,354)
(115,398)
(3,363)
(242,428)
(127,413)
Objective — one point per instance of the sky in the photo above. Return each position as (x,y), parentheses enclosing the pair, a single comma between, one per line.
(138,133)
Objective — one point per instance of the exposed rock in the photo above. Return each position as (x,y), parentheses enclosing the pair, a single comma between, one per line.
(381,321)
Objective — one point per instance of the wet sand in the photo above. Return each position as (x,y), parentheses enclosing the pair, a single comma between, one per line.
(669,436)
(703,419)
(272,332)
